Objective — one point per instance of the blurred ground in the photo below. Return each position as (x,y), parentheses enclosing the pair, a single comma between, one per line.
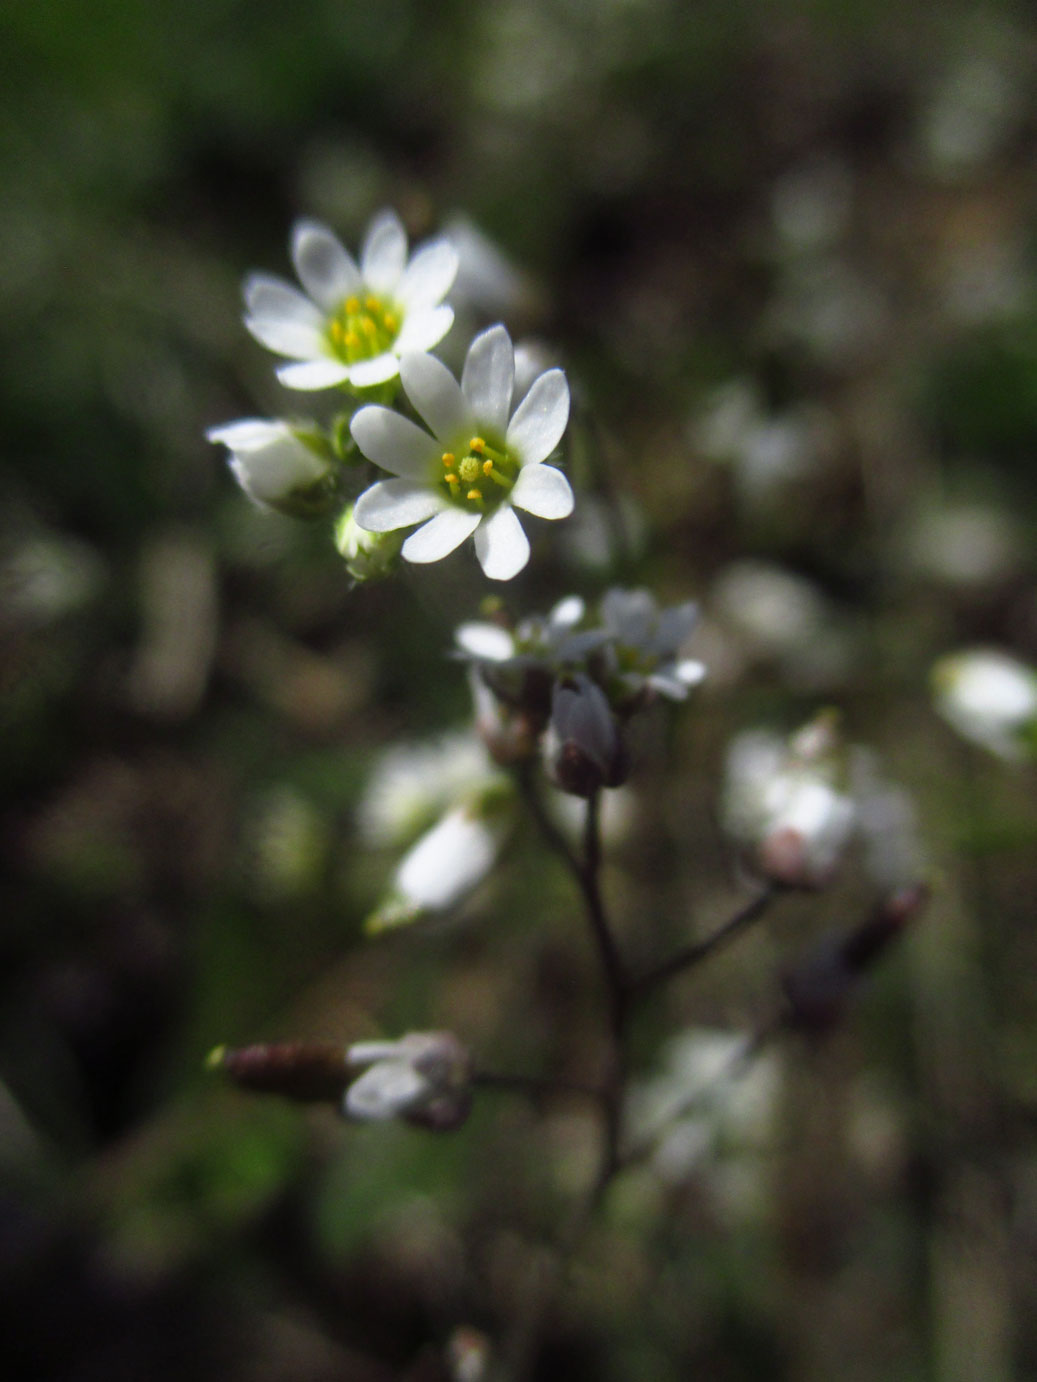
(787,256)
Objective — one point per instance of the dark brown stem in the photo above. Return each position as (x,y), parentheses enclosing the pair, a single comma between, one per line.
(691,955)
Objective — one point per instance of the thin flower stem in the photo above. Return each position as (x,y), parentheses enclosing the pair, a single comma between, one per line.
(537,1086)
(691,955)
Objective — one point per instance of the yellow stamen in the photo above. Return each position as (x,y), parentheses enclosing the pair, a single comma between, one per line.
(474,494)
(487,467)
(390,322)
(451,479)
(351,340)
(372,304)
(352,306)
(368,327)
(477,445)
(449,458)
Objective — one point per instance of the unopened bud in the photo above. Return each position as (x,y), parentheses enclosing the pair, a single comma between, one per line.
(279,466)
(368,556)
(821,983)
(583,751)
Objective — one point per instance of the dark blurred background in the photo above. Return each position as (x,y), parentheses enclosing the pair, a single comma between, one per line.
(786,254)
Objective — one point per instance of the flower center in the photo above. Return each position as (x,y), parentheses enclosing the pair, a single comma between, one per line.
(363,328)
(477,475)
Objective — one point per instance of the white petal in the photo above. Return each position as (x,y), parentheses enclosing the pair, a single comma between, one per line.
(423,328)
(313,374)
(384,252)
(325,269)
(488,378)
(394,442)
(247,434)
(392,504)
(367,1052)
(386,1089)
(567,612)
(437,396)
(448,861)
(294,339)
(485,641)
(689,671)
(501,545)
(427,278)
(365,373)
(539,421)
(542,490)
(271,299)
(440,535)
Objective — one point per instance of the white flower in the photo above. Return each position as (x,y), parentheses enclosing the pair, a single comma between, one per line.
(357,321)
(424,1077)
(647,640)
(276,466)
(554,638)
(783,801)
(445,864)
(480,462)
(989,698)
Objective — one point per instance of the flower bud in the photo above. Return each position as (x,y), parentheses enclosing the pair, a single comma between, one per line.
(425,1078)
(280,467)
(583,751)
(368,556)
(991,699)
(821,983)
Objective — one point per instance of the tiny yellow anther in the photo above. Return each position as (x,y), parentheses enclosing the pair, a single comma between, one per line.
(368,327)
(451,479)
(449,458)
(351,339)
(352,306)
(487,467)
(389,321)
(372,304)
(477,445)
(474,494)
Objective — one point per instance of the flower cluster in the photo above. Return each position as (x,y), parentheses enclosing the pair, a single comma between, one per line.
(364,329)
(565,684)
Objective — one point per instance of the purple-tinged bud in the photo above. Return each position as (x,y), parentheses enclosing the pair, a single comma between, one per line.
(821,983)
(583,751)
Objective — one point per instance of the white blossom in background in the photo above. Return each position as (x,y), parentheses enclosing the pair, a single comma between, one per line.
(481,461)
(278,466)
(353,322)
(424,1077)
(448,862)
(786,803)
(555,638)
(709,1114)
(412,784)
(989,698)
(487,280)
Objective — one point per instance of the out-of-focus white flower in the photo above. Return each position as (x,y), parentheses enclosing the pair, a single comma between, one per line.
(486,279)
(353,323)
(412,784)
(785,803)
(554,638)
(965,545)
(811,204)
(368,556)
(424,1077)
(46,577)
(972,113)
(447,863)
(707,1106)
(765,451)
(645,642)
(480,463)
(583,750)
(278,466)
(990,698)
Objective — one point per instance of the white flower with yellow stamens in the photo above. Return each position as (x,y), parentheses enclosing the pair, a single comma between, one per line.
(480,463)
(356,322)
